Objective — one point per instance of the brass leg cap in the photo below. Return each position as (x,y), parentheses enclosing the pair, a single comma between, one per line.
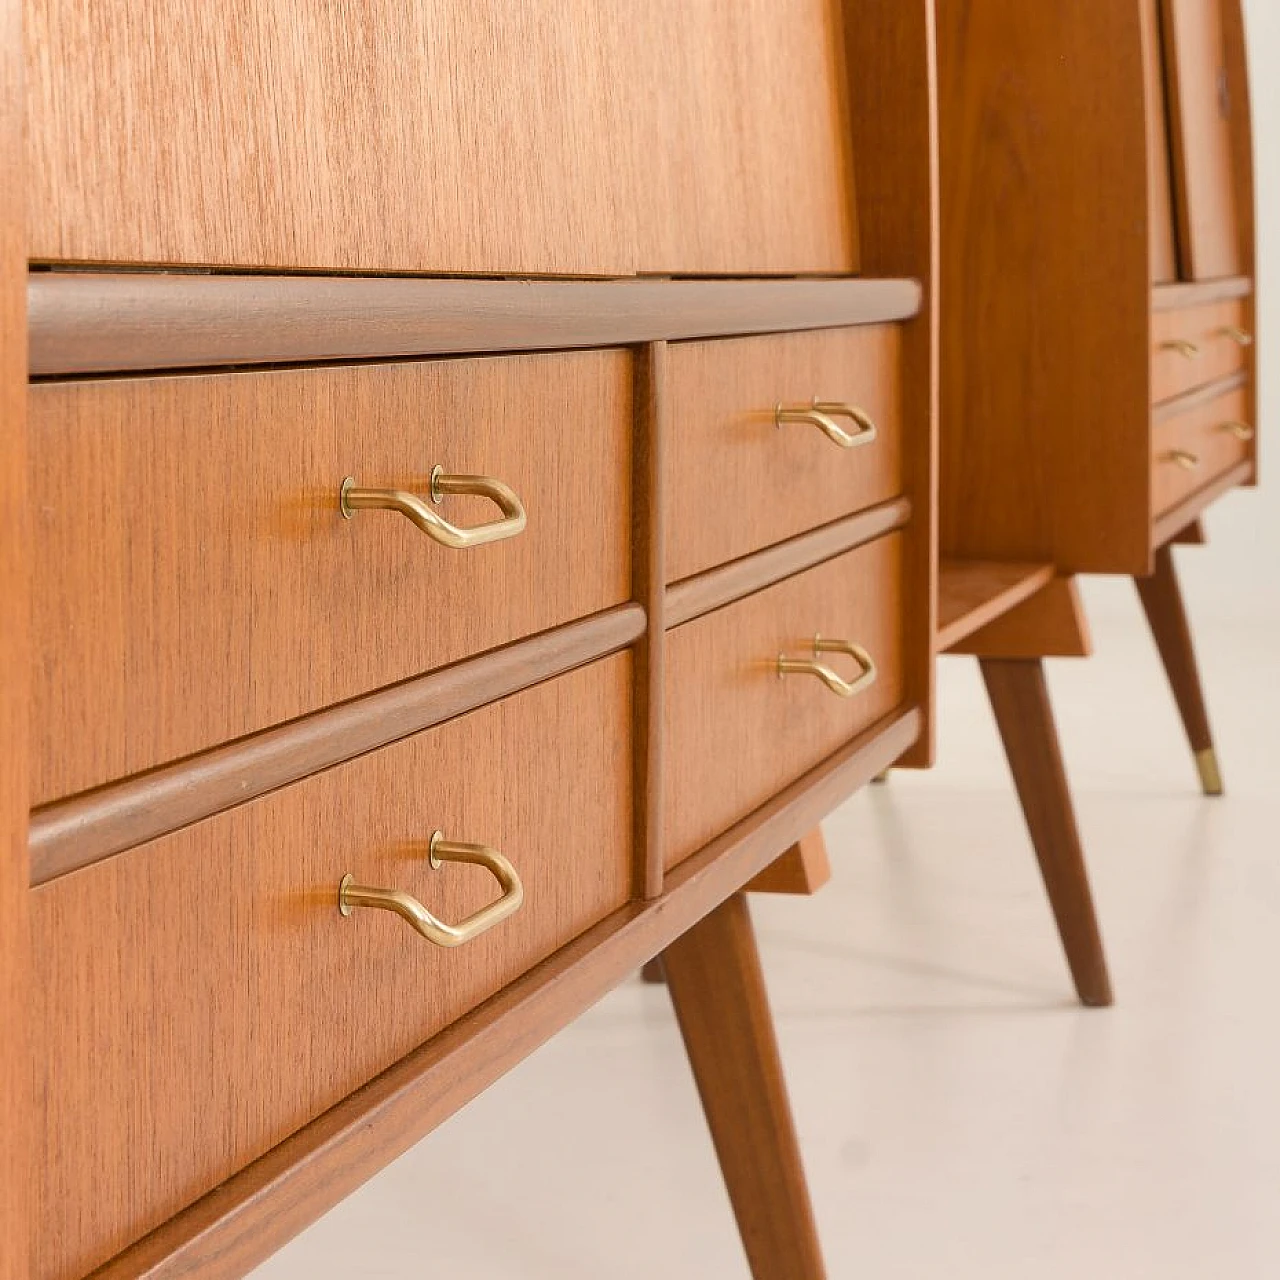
(881,778)
(1210,777)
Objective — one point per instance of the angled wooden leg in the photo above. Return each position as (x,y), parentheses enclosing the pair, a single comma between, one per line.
(714,976)
(1020,700)
(1162,602)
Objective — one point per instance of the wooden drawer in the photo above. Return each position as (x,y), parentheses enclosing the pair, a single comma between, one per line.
(200,997)
(194,579)
(736,480)
(1195,448)
(737,732)
(1198,345)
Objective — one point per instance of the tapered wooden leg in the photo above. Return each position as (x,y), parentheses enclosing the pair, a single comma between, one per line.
(1020,700)
(1162,602)
(713,973)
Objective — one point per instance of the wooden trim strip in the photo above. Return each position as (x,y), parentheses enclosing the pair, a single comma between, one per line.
(649,566)
(242,1222)
(692,597)
(73,833)
(1173,297)
(972,593)
(98,322)
(1172,522)
(1189,400)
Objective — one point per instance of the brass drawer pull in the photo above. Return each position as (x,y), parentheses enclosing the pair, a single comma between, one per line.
(1183,458)
(409,909)
(1241,430)
(1182,347)
(833,680)
(352,499)
(823,414)
(1241,337)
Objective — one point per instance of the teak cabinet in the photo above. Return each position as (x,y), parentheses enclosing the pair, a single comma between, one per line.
(469,507)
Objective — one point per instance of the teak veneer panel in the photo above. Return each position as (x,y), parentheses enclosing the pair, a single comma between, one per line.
(735,480)
(1218,354)
(200,998)
(1164,255)
(973,593)
(528,137)
(737,732)
(1045,284)
(195,581)
(1204,432)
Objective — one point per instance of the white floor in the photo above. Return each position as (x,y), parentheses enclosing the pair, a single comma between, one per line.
(959,1115)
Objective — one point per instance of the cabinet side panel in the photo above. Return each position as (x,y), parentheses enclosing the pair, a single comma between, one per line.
(1045,297)
(15,1105)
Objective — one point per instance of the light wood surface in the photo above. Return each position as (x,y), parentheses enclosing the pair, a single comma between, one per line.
(1049,624)
(893,117)
(1201,102)
(803,869)
(75,833)
(554,138)
(1181,514)
(716,984)
(136,1030)
(736,481)
(1044,195)
(1218,354)
(1164,261)
(973,593)
(1167,617)
(15,1064)
(198,581)
(1203,432)
(1020,701)
(93,322)
(1199,293)
(243,1221)
(735,731)
(729,582)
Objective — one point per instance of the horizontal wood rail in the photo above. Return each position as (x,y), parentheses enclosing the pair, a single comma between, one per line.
(692,597)
(99,322)
(86,828)
(972,593)
(1172,522)
(242,1222)
(1189,400)
(1172,297)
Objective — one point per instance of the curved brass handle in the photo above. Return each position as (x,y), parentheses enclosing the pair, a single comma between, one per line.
(1241,430)
(836,683)
(1182,347)
(1183,458)
(409,909)
(823,414)
(1241,337)
(352,499)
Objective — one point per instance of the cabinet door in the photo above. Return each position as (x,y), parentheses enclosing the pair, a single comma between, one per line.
(1164,265)
(1203,95)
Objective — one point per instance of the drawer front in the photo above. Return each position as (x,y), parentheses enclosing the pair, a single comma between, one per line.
(1195,448)
(1192,347)
(738,481)
(199,998)
(737,731)
(194,579)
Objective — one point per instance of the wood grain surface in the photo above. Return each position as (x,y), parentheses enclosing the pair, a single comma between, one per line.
(1045,452)
(545,138)
(93,322)
(1199,293)
(1051,623)
(735,480)
(1177,517)
(735,732)
(973,593)
(893,118)
(197,581)
(74,833)
(15,1065)
(717,986)
(1203,432)
(803,869)
(1217,353)
(1202,104)
(1164,253)
(154,1084)
(248,1217)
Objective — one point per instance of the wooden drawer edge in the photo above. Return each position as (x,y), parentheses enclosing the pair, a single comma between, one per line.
(1187,295)
(253,1213)
(1169,523)
(84,829)
(1177,405)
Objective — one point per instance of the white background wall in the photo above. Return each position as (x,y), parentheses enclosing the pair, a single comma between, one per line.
(1238,576)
